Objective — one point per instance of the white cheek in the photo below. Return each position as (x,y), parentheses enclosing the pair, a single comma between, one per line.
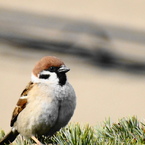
(53,79)
(34,79)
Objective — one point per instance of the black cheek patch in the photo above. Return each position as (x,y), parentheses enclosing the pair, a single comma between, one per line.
(43,76)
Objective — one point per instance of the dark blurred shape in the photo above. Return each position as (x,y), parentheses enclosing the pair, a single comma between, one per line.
(108,59)
(76,37)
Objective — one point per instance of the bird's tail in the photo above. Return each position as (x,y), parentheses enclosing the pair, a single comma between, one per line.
(10,137)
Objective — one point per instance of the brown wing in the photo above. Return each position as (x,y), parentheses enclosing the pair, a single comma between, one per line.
(21,104)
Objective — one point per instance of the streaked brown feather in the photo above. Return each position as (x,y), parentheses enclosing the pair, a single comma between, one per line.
(27,89)
(21,104)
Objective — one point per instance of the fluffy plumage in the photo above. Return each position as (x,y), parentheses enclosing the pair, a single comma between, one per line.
(46,104)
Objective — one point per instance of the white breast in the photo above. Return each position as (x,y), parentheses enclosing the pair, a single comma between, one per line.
(47,110)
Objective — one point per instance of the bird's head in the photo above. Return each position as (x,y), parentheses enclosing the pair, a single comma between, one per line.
(50,70)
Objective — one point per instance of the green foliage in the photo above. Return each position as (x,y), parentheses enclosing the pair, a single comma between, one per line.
(74,134)
(2,134)
(22,141)
(128,131)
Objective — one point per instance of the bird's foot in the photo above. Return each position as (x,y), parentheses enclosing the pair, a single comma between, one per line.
(36,140)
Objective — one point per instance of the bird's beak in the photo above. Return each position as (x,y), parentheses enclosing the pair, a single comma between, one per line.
(63,69)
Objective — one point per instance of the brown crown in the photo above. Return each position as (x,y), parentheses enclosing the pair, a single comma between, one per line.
(45,63)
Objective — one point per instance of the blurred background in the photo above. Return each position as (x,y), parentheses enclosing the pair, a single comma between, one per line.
(103,42)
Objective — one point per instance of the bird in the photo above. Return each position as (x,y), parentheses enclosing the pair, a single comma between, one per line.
(45,105)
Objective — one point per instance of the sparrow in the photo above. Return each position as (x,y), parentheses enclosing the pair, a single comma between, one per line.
(45,105)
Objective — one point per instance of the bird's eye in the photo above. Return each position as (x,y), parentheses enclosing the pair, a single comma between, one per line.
(52,69)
